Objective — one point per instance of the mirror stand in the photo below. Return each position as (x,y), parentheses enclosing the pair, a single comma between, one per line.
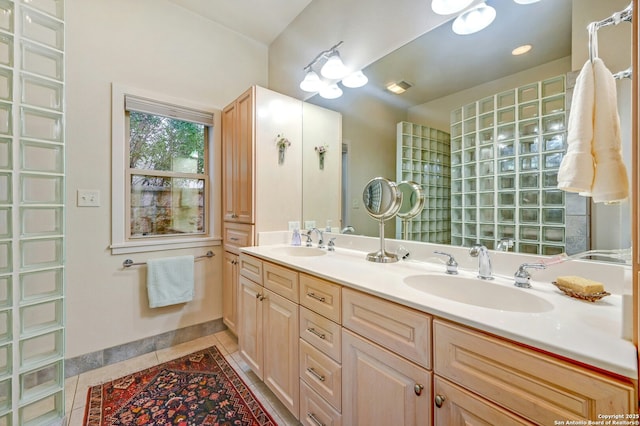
(382,199)
(382,256)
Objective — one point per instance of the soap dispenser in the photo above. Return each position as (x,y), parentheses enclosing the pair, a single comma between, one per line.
(295,238)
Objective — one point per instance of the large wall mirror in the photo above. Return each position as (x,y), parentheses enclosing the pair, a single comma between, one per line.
(447,71)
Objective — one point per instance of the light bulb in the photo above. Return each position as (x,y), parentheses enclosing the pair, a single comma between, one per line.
(311,82)
(330,91)
(448,7)
(474,20)
(357,79)
(334,69)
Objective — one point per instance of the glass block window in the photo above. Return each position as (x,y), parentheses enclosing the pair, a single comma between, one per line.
(507,150)
(424,157)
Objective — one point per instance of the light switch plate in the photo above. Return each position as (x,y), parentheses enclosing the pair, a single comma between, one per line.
(88,198)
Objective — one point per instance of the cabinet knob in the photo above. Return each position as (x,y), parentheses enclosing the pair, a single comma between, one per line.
(439,400)
(262,297)
(417,388)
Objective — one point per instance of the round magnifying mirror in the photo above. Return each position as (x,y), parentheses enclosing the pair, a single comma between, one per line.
(412,200)
(381,198)
(412,204)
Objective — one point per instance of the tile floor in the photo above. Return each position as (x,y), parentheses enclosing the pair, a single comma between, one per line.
(76,387)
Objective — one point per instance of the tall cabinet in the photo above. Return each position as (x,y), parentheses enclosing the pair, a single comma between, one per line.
(251,169)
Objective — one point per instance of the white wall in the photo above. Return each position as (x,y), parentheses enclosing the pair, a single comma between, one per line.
(155,46)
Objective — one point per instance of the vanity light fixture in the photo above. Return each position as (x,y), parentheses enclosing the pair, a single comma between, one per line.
(311,82)
(449,7)
(521,50)
(354,80)
(334,67)
(399,87)
(332,70)
(474,19)
(526,1)
(330,91)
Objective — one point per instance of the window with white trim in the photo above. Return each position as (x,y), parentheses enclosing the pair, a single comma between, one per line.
(161,187)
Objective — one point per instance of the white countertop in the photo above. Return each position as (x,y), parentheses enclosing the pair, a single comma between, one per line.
(582,331)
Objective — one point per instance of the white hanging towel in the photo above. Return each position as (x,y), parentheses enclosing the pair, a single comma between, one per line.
(170,280)
(610,182)
(577,168)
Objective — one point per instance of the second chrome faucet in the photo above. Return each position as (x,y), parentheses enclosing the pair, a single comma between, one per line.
(485,271)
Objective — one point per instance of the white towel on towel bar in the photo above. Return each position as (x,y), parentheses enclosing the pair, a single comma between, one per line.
(170,280)
(593,163)
(577,168)
(610,182)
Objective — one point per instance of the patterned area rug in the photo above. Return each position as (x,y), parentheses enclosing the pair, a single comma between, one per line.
(196,390)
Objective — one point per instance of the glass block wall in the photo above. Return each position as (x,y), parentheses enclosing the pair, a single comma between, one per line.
(423,156)
(505,154)
(31,212)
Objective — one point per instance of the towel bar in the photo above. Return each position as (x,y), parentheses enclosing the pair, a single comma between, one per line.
(128,262)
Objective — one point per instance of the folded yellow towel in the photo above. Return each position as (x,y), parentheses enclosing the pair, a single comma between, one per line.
(579,284)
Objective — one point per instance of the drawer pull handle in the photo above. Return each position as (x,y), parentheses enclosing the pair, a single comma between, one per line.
(234,239)
(315,374)
(439,400)
(315,419)
(418,389)
(314,296)
(317,333)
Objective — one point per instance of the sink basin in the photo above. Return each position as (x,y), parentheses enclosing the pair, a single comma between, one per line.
(473,291)
(299,251)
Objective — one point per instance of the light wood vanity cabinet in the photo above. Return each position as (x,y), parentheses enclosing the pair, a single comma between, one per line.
(230,291)
(530,384)
(386,378)
(268,330)
(364,360)
(321,385)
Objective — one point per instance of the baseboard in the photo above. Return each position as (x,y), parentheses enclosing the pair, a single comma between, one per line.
(93,360)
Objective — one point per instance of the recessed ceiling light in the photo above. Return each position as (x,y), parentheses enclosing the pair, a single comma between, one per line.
(521,50)
(399,87)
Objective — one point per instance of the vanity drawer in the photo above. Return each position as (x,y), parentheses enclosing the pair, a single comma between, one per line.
(400,329)
(320,296)
(314,410)
(535,386)
(462,407)
(237,235)
(321,373)
(325,335)
(251,268)
(281,280)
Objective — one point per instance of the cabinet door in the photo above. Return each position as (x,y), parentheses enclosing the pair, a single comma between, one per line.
(280,322)
(380,388)
(243,176)
(237,159)
(250,328)
(228,161)
(230,291)
(457,407)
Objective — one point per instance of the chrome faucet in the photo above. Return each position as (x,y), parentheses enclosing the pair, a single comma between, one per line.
(320,237)
(505,244)
(522,276)
(452,265)
(484,261)
(348,230)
